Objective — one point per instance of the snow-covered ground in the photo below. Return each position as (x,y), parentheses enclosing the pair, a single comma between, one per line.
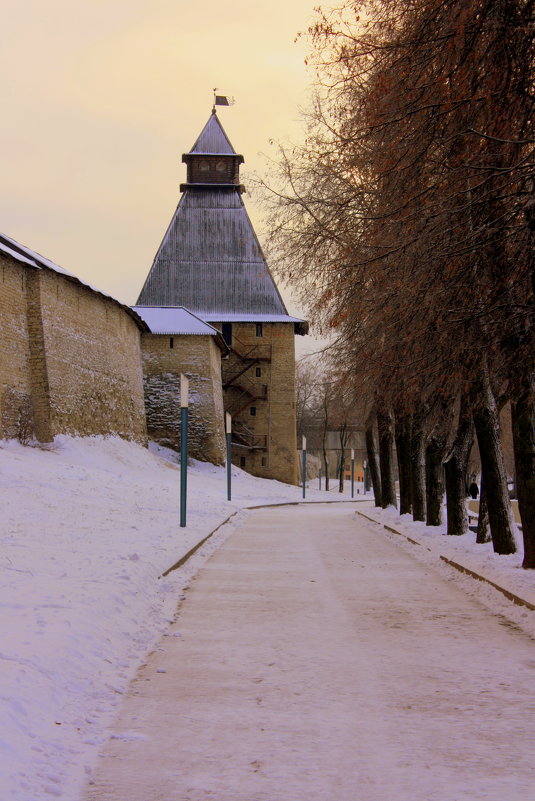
(88,528)
(505,571)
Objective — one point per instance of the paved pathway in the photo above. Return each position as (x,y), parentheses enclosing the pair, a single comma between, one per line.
(318,661)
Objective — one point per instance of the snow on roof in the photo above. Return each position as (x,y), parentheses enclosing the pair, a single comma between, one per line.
(174,320)
(240,317)
(27,256)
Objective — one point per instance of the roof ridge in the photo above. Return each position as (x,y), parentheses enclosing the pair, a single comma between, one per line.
(213,139)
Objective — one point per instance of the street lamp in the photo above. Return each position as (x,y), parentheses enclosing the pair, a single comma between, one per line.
(228,427)
(304,449)
(184,403)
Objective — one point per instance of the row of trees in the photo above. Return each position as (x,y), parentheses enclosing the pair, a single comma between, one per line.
(325,408)
(406,223)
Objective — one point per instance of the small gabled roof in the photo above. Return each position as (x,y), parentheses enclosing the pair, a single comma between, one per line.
(213,140)
(178,321)
(174,320)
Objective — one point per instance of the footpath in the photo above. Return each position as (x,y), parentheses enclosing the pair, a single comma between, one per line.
(313,660)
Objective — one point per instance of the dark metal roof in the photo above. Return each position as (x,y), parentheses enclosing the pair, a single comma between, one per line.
(213,139)
(210,260)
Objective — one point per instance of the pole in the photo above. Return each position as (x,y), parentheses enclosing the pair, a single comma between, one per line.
(352,473)
(304,448)
(319,476)
(184,401)
(228,421)
(365,466)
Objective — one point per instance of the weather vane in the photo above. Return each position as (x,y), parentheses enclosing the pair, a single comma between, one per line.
(222,100)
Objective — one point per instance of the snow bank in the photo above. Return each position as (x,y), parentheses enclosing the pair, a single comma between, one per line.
(88,526)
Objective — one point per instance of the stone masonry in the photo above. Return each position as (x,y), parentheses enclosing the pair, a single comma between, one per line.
(16,413)
(199,358)
(262,399)
(70,360)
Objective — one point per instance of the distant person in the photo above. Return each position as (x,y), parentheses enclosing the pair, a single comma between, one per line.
(473,490)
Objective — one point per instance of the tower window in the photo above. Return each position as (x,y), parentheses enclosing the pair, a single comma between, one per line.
(242,461)
(258,372)
(171,342)
(259,330)
(226,330)
(252,411)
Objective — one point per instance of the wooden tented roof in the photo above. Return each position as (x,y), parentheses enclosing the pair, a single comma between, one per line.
(210,260)
(213,139)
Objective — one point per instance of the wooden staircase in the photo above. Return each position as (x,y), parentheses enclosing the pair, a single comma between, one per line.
(243,391)
(243,437)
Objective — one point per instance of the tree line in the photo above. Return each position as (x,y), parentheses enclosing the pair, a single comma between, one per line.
(405,222)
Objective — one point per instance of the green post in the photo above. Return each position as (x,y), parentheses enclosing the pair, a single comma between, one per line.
(184,391)
(228,421)
(304,447)
(352,473)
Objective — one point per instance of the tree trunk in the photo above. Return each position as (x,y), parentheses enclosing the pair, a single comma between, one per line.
(435,453)
(487,426)
(434,481)
(342,471)
(403,450)
(523,420)
(455,473)
(326,464)
(483,530)
(386,462)
(417,456)
(373,462)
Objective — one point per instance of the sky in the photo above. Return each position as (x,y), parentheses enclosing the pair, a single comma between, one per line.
(100,100)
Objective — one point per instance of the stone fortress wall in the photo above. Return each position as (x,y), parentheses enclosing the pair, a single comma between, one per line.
(70,359)
(15,372)
(199,359)
(75,361)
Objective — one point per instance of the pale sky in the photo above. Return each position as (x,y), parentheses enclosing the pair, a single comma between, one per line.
(101,98)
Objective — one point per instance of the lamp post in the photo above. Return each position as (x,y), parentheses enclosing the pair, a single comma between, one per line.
(304,449)
(352,473)
(228,427)
(365,466)
(184,403)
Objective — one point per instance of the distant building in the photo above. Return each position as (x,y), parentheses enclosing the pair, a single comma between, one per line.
(210,262)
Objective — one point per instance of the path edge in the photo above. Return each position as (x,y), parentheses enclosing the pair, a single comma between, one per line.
(511,596)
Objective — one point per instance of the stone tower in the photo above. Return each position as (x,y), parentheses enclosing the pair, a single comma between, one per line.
(210,261)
